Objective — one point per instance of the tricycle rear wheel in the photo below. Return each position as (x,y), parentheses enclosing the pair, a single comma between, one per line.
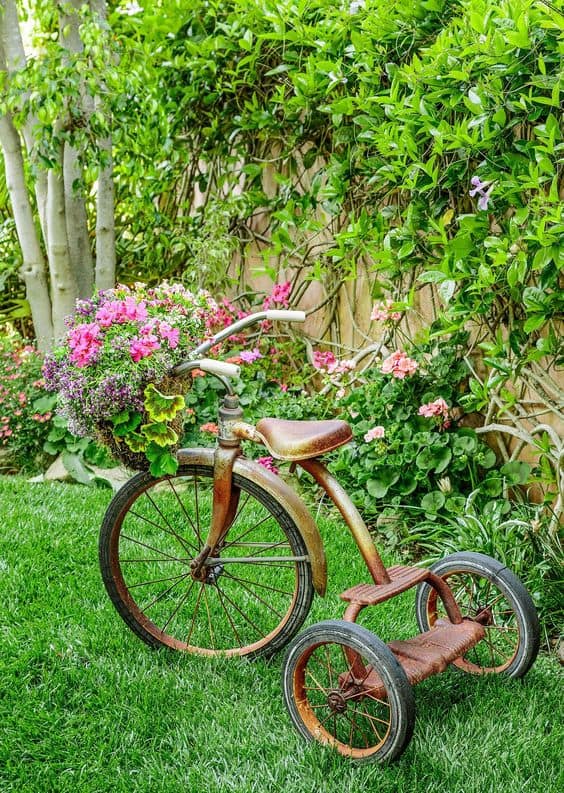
(491,594)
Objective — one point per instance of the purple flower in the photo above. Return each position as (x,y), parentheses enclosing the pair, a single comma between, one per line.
(482,189)
(249,356)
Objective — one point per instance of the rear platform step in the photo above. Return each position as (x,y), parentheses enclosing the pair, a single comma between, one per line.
(369,594)
(426,654)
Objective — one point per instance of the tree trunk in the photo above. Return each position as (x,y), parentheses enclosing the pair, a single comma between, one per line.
(15,60)
(64,288)
(105,224)
(33,270)
(80,252)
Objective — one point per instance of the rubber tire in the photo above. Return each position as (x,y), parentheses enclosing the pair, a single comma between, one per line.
(113,519)
(513,590)
(378,654)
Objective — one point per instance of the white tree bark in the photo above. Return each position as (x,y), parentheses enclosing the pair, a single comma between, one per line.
(15,60)
(33,270)
(105,198)
(78,237)
(64,287)
(105,224)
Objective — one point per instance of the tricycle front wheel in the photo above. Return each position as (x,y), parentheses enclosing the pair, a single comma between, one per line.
(344,688)
(251,596)
(491,594)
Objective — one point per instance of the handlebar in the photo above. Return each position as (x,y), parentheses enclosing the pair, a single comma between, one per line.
(220,368)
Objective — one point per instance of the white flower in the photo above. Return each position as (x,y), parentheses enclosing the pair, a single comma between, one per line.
(131,9)
(356,6)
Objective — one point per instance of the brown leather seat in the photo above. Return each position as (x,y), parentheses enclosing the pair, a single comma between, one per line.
(299,440)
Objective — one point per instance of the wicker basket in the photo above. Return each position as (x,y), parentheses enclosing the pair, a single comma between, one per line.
(119,449)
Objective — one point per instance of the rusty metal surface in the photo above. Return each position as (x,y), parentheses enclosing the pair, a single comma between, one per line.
(352,518)
(301,440)
(288,499)
(425,655)
(401,578)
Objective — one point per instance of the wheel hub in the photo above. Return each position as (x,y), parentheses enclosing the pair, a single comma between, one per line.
(336,701)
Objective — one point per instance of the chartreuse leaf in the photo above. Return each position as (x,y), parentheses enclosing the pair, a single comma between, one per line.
(159,433)
(136,442)
(161,407)
(162,461)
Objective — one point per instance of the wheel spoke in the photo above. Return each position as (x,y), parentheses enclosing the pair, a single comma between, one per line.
(184,510)
(175,611)
(262,600)
(186,544)
(152,548)
(158,580)
(257,583)
(160,596)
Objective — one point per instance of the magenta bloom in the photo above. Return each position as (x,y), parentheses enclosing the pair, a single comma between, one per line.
(374,434)
(268,463)
(399,365)
(169,333)
(143,347)
(84,344)
(280,296)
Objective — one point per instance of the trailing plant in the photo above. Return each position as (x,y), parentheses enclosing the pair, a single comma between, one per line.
(113,373)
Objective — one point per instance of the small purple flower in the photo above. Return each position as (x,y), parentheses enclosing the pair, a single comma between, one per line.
(482,189)
(249,356)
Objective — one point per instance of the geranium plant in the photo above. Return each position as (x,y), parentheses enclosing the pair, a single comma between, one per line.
(113,370)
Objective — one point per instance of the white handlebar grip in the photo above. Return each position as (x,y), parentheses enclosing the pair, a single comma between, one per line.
(220,368)
(286,316)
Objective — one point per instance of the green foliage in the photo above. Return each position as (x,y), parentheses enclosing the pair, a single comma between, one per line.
(25,409)
(428,462)
(516,534)
(161,407)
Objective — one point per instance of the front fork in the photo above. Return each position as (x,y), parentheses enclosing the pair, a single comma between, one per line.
(225,495)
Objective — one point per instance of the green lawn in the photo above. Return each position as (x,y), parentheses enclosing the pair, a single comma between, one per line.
(86,706)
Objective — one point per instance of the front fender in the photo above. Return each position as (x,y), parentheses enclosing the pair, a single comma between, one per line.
(287,498)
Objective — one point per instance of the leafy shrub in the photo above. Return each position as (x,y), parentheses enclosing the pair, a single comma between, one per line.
(25,408)
(515,533)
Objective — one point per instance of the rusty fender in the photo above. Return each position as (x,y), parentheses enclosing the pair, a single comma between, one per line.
(288,499)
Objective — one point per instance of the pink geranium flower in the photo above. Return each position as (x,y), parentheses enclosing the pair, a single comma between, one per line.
(210,427)
(374,434)
(324,360)
(399,365)
(383,311)
(84,343)
(437,408)
(143,347)
(280,296)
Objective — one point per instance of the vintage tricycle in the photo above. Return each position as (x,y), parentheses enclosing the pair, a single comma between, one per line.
(223,558)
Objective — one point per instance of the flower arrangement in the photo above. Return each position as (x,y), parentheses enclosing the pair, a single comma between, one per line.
(113,371)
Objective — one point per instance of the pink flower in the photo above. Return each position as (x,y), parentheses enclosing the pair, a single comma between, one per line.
(169,333)
(143,347)
(399,365)
(383,311)
(340,367)
(268,463)
(84,343)
(249,356)
(323,360)
(210,427)
(437,408)
(280,296)
(374,433)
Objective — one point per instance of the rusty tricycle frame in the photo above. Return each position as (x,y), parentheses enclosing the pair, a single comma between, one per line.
(189,565)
